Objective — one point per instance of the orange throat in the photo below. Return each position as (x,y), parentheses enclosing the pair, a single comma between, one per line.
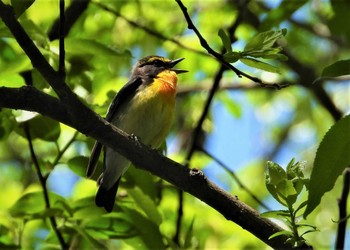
(166,83)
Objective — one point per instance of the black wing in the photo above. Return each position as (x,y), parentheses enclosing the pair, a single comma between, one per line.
(125,94)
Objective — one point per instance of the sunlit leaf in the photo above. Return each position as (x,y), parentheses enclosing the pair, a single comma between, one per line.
(275,214)
(283,232)
(32,204)
(332,157)
(233,107)
(259,65)
(189,235)
(146,204)
(264,40)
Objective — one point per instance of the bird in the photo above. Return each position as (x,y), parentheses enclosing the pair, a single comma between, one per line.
(144,107)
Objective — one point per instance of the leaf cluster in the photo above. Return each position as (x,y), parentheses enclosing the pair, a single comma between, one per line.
(260,46)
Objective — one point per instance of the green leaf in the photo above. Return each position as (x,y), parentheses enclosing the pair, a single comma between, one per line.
(232,56)
(78,165)
(233,107)
(144,180)
(226,41)
(20,6)
(338,68)
(149,231)
(146,204)
(265,40)
(332,157)
(43,128)
(275,173)
(259,65)
(275,214)
(188,236)
(86,235)
(82,46)
(20,64)
(270,53)
(33,204)
(283,232)
(7,123)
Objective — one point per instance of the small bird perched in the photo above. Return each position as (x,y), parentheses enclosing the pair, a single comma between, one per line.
(144,107)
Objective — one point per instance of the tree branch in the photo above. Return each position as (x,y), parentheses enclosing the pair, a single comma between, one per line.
(340,242)
(31,99)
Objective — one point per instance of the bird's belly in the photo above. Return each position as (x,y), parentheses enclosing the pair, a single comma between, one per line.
(149,119)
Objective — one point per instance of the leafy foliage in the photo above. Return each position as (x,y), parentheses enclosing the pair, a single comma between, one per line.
(260,46)
(245,126)
(331,160)
(285,187)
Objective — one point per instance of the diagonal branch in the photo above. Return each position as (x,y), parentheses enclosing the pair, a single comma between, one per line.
(191,181)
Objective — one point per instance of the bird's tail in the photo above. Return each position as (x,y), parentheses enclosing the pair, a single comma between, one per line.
(106,197)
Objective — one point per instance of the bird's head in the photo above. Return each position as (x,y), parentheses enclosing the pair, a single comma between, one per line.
(152,66)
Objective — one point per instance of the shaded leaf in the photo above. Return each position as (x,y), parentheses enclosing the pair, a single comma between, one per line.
(226,41)
(82,46)
(86,235)
(338,68)
(332,157)
(20,6)
(7,123)
(232,56)
(43,128)
(78,165)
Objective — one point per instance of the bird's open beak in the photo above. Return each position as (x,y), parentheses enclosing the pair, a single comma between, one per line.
(173,63)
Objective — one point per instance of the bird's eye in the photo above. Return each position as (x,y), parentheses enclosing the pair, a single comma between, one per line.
(158,62)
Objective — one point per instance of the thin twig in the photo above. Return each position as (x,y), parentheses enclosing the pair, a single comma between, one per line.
(340,241)
(42,181)
(235,177)
(64,149)
(218,56)
(147,29)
